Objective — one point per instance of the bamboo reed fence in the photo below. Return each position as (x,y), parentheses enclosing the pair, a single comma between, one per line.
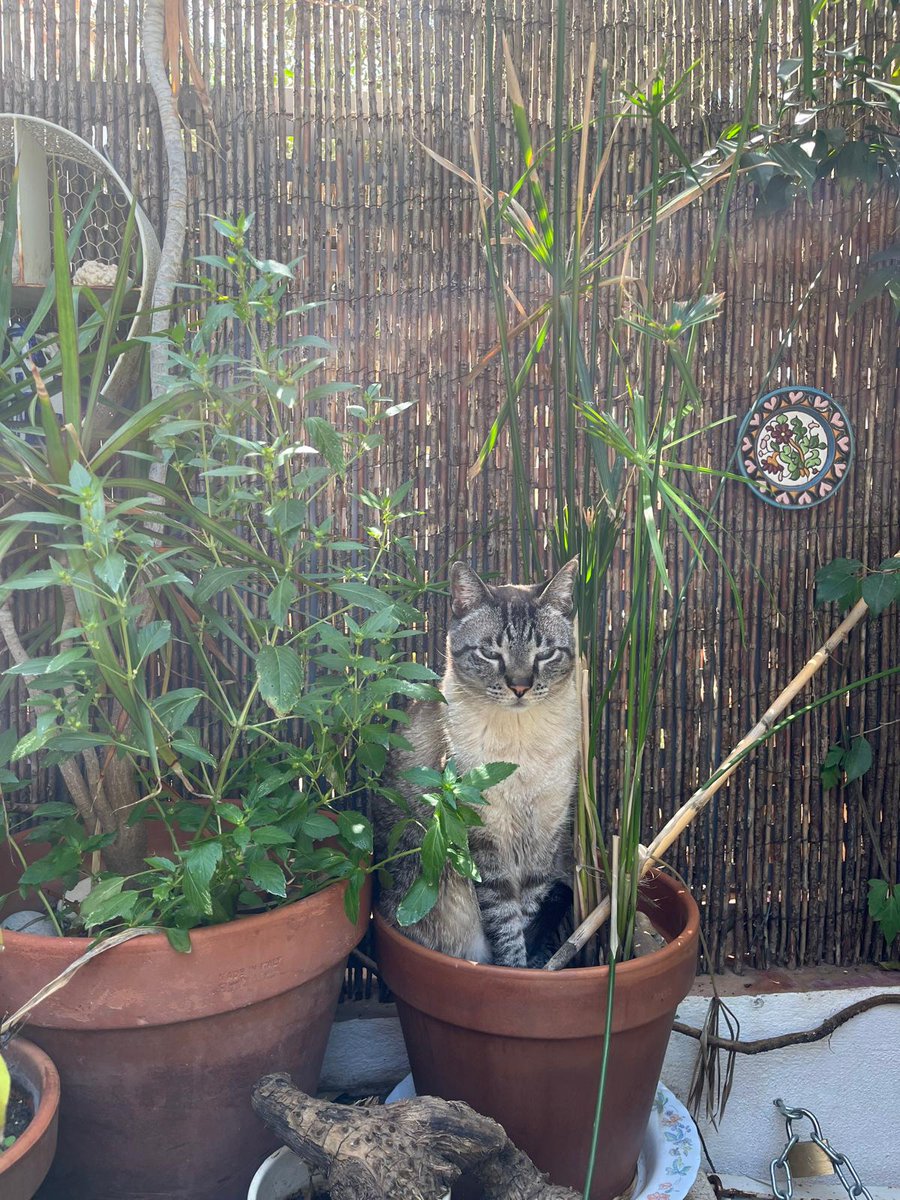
(318,108)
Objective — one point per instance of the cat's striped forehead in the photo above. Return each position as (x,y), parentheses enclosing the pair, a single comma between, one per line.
(513,616)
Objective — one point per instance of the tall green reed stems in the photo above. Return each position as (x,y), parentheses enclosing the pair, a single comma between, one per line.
(625,402)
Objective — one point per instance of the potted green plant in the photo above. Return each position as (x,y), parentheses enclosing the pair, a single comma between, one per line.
(212,668)
(29,1111)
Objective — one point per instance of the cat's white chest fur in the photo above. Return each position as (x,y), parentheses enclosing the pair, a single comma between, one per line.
(541,739)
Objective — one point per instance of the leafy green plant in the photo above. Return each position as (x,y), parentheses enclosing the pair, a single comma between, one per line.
(455,800)
(222,656)
(845,582)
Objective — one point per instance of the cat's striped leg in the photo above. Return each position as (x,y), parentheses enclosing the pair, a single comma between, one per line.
(502,919)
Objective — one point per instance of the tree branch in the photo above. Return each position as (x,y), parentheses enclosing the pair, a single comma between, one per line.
(802,1037)
(412,1148)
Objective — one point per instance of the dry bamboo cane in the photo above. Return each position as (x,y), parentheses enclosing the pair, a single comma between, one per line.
(677,824)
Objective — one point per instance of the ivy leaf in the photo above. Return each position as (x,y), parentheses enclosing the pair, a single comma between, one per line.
(417,903)
(858,759)
(280,675)
(881,589)
(884,907)
(837,580)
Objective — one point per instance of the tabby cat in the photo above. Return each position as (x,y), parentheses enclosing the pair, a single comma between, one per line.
(510,696)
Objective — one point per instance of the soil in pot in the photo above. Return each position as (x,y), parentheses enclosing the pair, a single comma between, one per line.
(19,1115)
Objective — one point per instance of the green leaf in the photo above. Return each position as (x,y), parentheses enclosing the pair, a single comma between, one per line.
(880,590)
(884,907)
(837,579)
(8,739)
(174,709)
(486,776)
(179,939)
(355,829)
(111,571)
(327,441)
(417,903)
(271,835)
(107,902)
(834,757)
(317,825)
(424,778)
(282,597)
(434,853)
(151,637)
(268,876)
(280,675)
(201,861)
(217,580)
(858,759)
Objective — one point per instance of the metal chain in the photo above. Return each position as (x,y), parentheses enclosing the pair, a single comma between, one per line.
(843,1167)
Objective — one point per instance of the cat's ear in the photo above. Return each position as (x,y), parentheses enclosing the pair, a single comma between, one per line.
(466,590)
(559,592)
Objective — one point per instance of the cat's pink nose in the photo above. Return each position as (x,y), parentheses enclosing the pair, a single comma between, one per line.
(520,689)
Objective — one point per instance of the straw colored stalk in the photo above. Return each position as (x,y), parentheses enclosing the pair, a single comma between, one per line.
(687,814)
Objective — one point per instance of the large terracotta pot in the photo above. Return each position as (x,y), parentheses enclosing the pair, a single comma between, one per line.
(24,1166)
(157,1051)
(524,1047)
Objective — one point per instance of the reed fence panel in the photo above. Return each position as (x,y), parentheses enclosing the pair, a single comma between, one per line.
(320,110)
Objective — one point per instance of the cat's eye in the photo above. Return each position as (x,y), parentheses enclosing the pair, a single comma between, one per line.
(546,655)
(490,655)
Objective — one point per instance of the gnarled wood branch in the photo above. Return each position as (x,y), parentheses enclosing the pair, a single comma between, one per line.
(411,1150)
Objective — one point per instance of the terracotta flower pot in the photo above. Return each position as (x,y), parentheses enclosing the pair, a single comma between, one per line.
(157,1051)
(524,1047)
(24,1166)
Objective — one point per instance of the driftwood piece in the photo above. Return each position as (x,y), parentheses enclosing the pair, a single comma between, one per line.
(411,1150)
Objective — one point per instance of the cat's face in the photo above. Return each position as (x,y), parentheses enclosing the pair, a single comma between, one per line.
(512,645)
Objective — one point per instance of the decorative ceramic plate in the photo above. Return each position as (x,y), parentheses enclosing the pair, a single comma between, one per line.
(796,446)
(670,1155)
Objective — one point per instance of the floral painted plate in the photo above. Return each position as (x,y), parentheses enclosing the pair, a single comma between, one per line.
(670,1155)
(796,446)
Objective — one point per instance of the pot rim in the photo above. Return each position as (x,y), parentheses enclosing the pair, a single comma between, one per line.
(19,1050)
(75,946)
(655,963)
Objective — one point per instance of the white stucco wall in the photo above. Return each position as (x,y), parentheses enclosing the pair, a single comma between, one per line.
(851,1081)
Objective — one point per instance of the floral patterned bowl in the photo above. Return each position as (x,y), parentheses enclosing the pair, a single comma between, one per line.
(670,1156)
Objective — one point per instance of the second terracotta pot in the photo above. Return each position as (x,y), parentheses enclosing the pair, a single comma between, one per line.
(524,1047)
